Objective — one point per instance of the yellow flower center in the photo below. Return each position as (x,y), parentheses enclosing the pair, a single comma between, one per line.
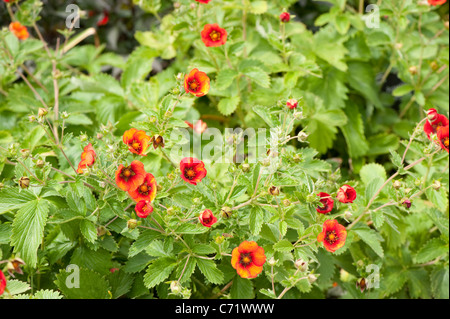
(143,188)
(331,237)
(215,36)
(136,145)
(446,141)
(193,85)
(190,173)
(126,173)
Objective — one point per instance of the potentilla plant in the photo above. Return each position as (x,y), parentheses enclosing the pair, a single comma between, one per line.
(124,188)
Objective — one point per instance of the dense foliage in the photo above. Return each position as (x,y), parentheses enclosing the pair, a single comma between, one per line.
(346,198)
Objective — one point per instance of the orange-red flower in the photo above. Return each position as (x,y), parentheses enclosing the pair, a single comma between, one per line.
(434,122)
(192,170)
(327,203)
(207,218)
(158,141)
(19,30)
(213,35)
(143,209)
(248,259)
(87,158)
(197,83)
(442,135)
(136,140)
(130,177)
(146,191)
(436,2)
(346,194)
(2,282)
(333,235)
(104,19)
(199,127)
(203,1)
(285,17)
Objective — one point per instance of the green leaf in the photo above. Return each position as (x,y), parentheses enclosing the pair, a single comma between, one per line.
(47,294)
(256,220)
(371,171)
(242,288)
(91,285)
(209,269)
(225,78)
(203,249)
(227,106)
(257,75)
(373,187)
(158,271)
(11,198)
(354,132)
(144,240)
(371,238)
(258,7)
(283,245)
(191,229)
(28,230)
(432,249)
(402,90)
(362,78)
(88,230)
(16,287)
(440,283)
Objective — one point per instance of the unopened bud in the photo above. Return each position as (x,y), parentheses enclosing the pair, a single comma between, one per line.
(99,136)
(436,185)
(301,265)
(40,163)
(361,284)
(101,230)
(312,278)
(219,240)
(83,137)
(64,115)
(196,200)
(24,182)
(297,158)
(298,115)
(245,167)
(287,202)
(311,198)
(42,112)
(170,211)
(406,203)
(132,224)
(274,191)
(397,184)
(25,153)
(413,70)
(176,90)
(226,212)
(434,65)
(292,104)
(446,24)
(265,162)
(179,76)
(398,46)
(32,118)
(2,185)
(302,137)
(348,215)
(272,261)
(175,287)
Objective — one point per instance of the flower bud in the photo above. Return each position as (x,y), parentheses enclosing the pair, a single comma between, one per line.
(24,182)
(272,262)
(287,202)
(14,266)
(32,118)
(312,278)
(175,287)
(2,185)
(132,224)
(297,158)
(406,203)
(64,115)
(226,212)
(446,24)
(434,65)
(40,163)
(274,191)
(301,265)
(413,70)
(285,17)
(42,112)
(101,230)
(170,211)
(292,104)
(25,153)
(196,201)
(397,184)
(192,6)
(83,138)
(179,76)
(398,46)
(418,182)
(245,167)
(361,284)
(360,263)
(298,115)
(176,90)
(311,198)
(99,136)
(436,185)
(219,240)
(302,137)
(265,162)
(102,184)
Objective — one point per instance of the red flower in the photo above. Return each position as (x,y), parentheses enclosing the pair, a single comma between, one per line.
(207,218)
(248,259)
(203,1)
(292,104)
(346,194)
(327,203)
(192,170)
(285,17)
(146,191)
(137,141)
(197,83)
(2,282)
(442,135)
(130,177)
(87,158)
(199,127)
(436,2)
(19,30)
(143,209)
(333,235)
(104,19)
(434,122)
(213,35)
(113,270)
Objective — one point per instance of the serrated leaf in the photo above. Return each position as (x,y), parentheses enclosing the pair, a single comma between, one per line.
(210,271)
(432,249)
(88,230)
(91,285)
(370,237)
(257,75)
(283,245)
(227,106)
(28,230)
(242,288)
(158,271)
(225,78)
(370,171)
